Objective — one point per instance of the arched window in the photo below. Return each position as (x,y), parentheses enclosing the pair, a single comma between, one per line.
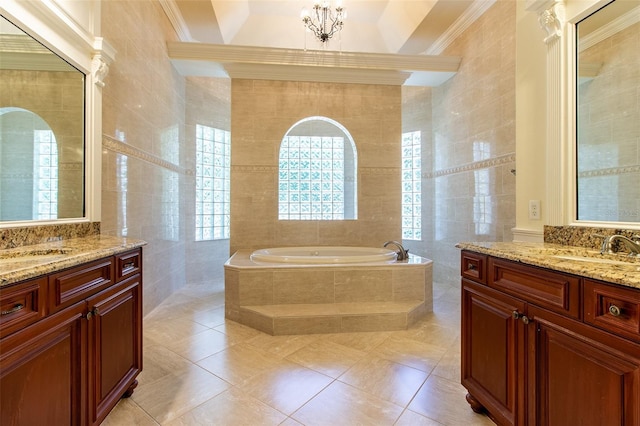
(317,177)
(28,166)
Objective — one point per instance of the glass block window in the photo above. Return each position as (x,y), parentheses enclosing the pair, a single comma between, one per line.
(311,178)
(213,181)
(411,186)
(45,162)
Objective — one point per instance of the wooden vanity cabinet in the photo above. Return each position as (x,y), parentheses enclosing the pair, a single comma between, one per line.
(493,352)
(528,358)
(43,371)
(72,366)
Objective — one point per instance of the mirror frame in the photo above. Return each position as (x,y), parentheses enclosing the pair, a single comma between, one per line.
(578,13)
(558,18)
(65,33)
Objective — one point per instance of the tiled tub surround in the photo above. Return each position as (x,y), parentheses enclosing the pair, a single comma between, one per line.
(21,263)
(618,269)
(282,298)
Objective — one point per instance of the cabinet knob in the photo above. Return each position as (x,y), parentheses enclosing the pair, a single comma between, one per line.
(525,319)
(515,315)
(92,313)
(471,267)
(615,311)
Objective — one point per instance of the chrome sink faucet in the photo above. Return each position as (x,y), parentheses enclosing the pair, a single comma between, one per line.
(633,245)
(402,253)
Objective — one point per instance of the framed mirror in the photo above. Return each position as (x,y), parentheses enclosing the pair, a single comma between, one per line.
(42,131)
(608,114)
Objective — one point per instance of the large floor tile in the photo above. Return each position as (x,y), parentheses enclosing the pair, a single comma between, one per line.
(286,386)
(210,317)
(239,363)
(128,413)
(364,341)
(167,332)
(201,345)
(409,418)
(237,331)
(443,400)
(174,395)
(231,407)
(326,357)
(450,364)
(413,353)
(387,380)
(341,404)
(281,345)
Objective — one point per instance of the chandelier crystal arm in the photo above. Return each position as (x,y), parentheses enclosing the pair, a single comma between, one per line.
(323,22)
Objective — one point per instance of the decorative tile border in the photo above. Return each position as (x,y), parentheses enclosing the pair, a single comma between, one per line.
(389,171)
(274,169)
(76,166)
(612,171)
(112,144)
(255,169)
(477,165)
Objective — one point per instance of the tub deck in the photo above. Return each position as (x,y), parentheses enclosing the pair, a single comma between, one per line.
(284,299)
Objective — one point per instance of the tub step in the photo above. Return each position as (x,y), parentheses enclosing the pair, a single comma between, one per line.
(332,317)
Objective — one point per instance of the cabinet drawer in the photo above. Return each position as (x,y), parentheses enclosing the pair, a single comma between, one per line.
(128,264)
(612,308)
(73,285)
(474,266)
(21,305)
(555,291)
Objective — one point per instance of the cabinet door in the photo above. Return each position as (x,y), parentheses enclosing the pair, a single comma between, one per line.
(42,379)
(115,345)
(493,351)
(581,375)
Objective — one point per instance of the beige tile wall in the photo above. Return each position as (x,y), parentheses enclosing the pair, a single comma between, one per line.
(143,176)
(467,186)
(263,111)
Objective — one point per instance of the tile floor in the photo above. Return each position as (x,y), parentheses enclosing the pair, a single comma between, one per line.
(200,369)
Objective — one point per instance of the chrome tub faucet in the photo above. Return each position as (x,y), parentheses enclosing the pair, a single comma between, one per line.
(402,253)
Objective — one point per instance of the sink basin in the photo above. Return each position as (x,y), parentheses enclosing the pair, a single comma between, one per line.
(35,254)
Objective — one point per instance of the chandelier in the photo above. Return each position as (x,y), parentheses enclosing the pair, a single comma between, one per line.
(323,21)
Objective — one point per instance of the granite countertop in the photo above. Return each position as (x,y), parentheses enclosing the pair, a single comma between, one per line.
(30,261)
(617,268)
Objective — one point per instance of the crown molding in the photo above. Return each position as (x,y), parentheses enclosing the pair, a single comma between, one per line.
(312,65)
(611,28)
(464,21)
(177,21)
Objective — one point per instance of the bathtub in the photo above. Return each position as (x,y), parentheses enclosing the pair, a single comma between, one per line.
(306,290)
(324,255)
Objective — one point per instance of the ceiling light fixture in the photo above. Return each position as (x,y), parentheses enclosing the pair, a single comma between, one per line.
(323,21)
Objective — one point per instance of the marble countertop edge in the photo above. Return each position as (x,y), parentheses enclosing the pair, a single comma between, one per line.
(31,261)
(625,271)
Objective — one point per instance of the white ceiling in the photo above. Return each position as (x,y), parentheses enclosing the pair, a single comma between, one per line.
(408,30)
(375,26)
